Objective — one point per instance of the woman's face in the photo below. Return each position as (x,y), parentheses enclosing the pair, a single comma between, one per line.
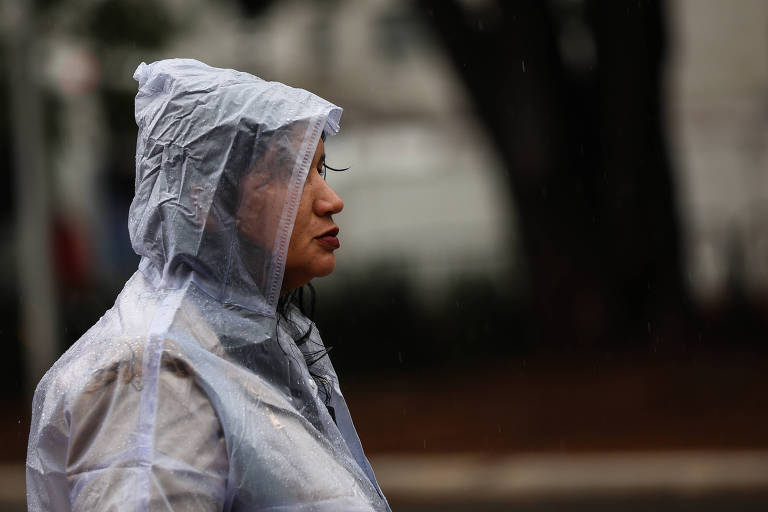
(314,238)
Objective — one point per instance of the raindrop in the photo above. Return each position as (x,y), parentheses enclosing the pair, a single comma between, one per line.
(522,65)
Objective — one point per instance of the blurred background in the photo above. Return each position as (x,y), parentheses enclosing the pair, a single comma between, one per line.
(553,286)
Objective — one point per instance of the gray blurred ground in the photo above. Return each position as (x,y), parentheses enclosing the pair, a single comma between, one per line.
(662,481)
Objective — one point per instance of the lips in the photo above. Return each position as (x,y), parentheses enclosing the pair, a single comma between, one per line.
(329,239)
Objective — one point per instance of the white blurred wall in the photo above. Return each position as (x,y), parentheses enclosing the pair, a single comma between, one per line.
(718,110)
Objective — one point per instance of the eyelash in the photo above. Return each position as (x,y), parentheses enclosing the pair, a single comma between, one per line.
(323,169)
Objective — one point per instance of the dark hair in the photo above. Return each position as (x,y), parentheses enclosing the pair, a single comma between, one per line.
(299,298)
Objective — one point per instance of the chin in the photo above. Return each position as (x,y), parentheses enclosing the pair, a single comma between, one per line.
(324,266)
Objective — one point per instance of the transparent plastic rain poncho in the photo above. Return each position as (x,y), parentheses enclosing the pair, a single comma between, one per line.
(189,395)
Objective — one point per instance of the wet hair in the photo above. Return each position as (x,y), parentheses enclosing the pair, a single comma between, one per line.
(304,299)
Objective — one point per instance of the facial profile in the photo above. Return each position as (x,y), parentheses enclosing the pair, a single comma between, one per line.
(315,235)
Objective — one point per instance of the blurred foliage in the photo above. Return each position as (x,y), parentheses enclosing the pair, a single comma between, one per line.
(119,22)
(254,8)
(11,367)
(376,325)
(118,114)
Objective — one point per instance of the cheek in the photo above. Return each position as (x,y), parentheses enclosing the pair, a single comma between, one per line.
(300,243)
(300,238)
(256,215)
(301,226)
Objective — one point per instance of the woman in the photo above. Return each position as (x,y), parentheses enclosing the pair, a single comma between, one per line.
(193,392)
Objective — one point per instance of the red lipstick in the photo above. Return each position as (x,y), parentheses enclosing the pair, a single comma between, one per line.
(329,239)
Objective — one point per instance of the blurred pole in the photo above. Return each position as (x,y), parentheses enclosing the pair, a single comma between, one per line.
(35,274)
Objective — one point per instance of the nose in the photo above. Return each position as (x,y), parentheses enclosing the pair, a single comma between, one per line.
(328,201)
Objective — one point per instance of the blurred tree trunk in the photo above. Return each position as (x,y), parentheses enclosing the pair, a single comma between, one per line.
(571,95)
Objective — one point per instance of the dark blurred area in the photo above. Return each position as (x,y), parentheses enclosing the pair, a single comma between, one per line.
(600,323)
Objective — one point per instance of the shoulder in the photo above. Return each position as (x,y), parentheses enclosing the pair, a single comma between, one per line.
(91,420)
(93,399)
(104,372)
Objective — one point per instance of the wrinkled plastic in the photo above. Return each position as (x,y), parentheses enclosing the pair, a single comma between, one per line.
(189,395)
